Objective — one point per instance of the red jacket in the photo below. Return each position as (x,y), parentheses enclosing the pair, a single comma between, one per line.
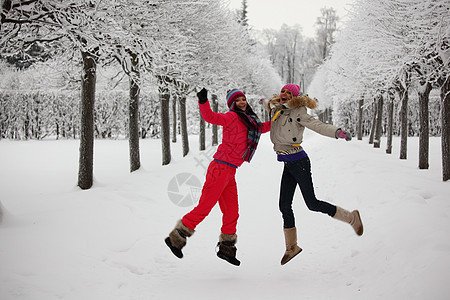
(234,137)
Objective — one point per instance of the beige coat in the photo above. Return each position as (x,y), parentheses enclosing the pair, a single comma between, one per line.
(289,122)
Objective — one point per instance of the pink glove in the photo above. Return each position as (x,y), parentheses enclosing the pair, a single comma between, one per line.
(342,134)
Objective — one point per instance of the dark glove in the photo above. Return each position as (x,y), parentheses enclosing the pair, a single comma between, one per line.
(342,134)
(202,96)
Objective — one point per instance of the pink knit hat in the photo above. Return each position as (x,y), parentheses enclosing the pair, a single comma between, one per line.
(232,95)
(294,88)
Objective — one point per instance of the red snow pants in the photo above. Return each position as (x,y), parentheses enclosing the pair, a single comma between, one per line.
(220,186)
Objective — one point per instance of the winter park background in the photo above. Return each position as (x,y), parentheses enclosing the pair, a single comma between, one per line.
(75,223)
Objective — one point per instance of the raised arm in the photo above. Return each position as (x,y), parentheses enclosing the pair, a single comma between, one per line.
(210,116)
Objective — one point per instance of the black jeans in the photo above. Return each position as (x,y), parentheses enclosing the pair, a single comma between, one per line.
(299,172)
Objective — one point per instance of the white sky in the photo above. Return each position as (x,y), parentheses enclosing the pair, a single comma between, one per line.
(272,14)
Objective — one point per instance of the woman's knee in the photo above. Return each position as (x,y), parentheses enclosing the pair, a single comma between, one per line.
(321,206)
(313,205)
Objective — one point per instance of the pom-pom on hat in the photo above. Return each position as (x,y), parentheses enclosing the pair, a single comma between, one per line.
(294,88)
(232,95)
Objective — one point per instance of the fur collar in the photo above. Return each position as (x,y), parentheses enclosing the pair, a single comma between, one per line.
(294,102)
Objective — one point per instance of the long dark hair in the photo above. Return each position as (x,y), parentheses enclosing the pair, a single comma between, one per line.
(248,116)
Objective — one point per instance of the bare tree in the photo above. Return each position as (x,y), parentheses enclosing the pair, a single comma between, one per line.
(133,107)
(374,123)
(243,19)
(183,123)
(164,98)
(326,30)
(379,121)
(445,113)
(402,87)
(202,134)
(424,128)
(360,118)
(174,118)
(390,126)
(81,26)
(215,108)
(88,82)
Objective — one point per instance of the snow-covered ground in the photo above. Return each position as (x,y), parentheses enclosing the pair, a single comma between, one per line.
(59,242)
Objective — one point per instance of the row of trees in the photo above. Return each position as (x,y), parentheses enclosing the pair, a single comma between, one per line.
(296,57)
(388,50)
(177,45)
(41,114)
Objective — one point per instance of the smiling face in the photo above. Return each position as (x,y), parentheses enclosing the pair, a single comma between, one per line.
(241,103)
(285,95)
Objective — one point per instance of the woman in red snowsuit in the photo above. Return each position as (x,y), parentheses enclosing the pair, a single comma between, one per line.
(241,131)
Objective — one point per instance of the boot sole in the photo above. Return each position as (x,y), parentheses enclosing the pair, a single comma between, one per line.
(177,252)
(231,260)
(283,263)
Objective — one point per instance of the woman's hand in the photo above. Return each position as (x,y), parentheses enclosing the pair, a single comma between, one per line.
(202,96)
(342,134)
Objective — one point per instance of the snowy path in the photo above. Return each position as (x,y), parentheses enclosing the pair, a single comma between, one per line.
(58,242)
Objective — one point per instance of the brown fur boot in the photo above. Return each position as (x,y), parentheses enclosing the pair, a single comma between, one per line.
(353,218)
(227,248)
(292,249)
(177,238)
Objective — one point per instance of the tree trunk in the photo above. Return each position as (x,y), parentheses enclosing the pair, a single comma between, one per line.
(424,94)
(403,93)
(265,113)
(37,119)
(165,122)
(183,121)
(390,127)
(445,138)
(374,123)
(330,115)
(88,81)
(320,116)
(174,119)
(289,67)
(379,126)
(360,118)
(133,139)
(27,122)
(215,131)
(202,133)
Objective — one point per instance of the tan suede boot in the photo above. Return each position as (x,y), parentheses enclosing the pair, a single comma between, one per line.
(292,249)
(353,218)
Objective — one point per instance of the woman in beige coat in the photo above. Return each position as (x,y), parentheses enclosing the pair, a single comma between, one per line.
(288,112)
